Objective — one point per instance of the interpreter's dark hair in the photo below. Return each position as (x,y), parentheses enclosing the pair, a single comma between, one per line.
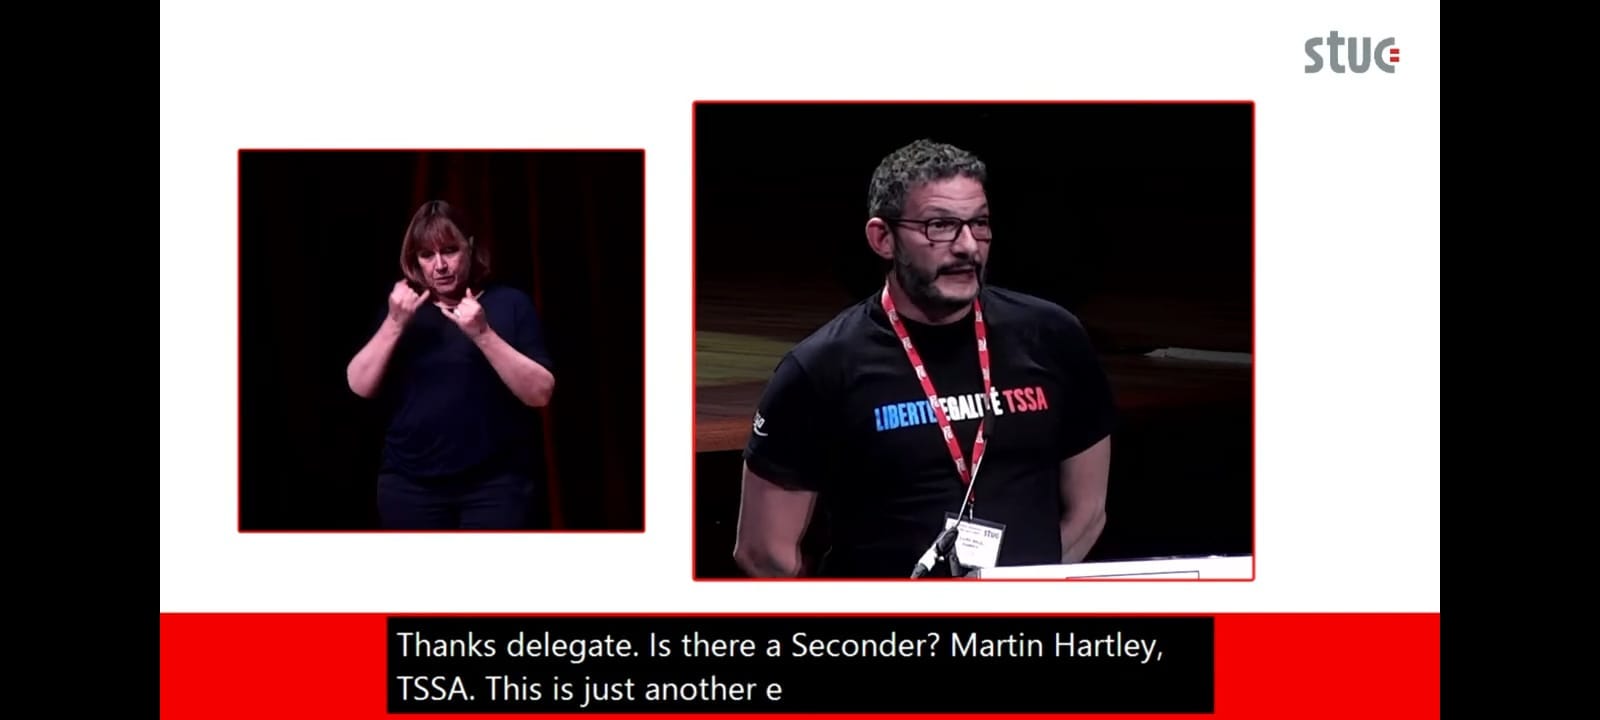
(921,162)
(437,224)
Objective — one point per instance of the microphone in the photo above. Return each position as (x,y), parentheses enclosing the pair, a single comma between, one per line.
(944,544)
(941,546)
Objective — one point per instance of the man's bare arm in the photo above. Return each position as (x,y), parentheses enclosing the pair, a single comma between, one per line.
(1083,490)
(772,522)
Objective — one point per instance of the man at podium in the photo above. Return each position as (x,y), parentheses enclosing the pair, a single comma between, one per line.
(936,399)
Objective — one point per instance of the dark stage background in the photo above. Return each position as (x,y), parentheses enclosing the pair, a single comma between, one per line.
(1136,217)
(319,253)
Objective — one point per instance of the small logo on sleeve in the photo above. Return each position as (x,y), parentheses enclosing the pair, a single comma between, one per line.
(757,426)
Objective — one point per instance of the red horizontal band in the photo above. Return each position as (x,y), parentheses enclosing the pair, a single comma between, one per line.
(306,666)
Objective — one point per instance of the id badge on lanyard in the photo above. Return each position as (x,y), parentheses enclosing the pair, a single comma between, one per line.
(978,541)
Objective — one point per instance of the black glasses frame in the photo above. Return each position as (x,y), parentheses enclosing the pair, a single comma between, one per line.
(922,227)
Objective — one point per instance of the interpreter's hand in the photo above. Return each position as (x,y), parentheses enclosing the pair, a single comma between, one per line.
(468,315)
(403,303)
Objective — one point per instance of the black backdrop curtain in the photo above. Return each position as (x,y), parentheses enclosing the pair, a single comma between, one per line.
(319,243)
(1097,200)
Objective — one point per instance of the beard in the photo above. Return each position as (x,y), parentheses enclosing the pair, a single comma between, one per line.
(919,284)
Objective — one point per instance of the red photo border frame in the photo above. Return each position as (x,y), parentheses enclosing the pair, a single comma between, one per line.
(694,327)
(554,493)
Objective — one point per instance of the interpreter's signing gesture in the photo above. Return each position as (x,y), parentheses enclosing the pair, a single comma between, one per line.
(403,303)
(467,314)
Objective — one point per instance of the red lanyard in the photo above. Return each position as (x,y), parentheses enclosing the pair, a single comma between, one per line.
(933,397)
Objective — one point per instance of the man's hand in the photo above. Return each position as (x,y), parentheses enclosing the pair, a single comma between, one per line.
(403,303)
(468,315)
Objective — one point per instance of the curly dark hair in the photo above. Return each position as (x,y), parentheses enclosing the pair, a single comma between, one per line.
(920,162)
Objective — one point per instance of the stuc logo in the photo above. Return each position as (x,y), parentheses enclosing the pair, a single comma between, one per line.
(1361,55)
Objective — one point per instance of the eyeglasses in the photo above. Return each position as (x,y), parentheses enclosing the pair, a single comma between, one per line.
(947,229)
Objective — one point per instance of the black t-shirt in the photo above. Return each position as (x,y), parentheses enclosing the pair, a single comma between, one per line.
(450,413)
(845,415)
